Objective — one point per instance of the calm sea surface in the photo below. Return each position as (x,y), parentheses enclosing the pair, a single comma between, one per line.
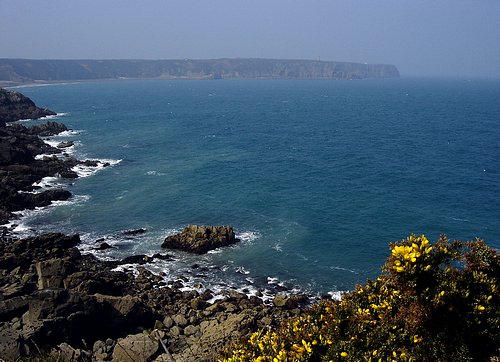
(316,177)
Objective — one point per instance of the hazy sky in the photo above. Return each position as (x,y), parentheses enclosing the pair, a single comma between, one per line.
(421,37)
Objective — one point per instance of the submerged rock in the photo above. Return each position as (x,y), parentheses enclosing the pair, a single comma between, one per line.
(201,239)
(65,144)
(134,232)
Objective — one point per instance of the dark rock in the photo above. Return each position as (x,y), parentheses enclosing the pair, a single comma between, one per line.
(89,163)
(18,147)
(12,307)
(50,273)
(15,106)
(137,259)
(104,246)
(163,256)
(201,239)
(134,232)
(198,304)
(22,253)
(295,301)
(46,197)
(47,129)
(19,169)
(9,342)
(66,144)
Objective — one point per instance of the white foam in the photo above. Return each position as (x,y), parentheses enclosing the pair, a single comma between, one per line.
(343,269)
(86,171)
(127,267)
(58,115)
(54,116)
(248,236)
(272,280)
(68,133)
(220,278)
(20,225)
(459,219)
(64,151)
(155,173)
(73,200)
(215,251)
(336,295)
(51,142)
(278,247)
(242,270)
(215,298)
(48,183)
(41,156)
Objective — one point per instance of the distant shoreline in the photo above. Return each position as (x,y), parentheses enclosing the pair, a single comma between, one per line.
(16,72)
(13,85)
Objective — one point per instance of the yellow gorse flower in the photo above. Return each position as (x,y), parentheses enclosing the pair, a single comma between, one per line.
(366,324)
(406,256)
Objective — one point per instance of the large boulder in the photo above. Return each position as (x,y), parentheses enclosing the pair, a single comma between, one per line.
(201,239)
(135,348)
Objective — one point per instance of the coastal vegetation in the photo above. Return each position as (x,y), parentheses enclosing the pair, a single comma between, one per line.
(435,302)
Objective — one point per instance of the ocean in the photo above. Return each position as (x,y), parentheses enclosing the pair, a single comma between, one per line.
(316,177)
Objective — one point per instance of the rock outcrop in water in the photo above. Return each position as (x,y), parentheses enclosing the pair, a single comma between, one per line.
(15,106)
(29,70)
(201,239)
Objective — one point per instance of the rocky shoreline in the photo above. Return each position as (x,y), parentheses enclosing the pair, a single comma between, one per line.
(55,300)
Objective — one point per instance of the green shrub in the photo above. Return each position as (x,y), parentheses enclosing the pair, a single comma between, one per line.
(431,303)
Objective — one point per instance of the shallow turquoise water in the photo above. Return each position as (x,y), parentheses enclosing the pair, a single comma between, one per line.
(316,176)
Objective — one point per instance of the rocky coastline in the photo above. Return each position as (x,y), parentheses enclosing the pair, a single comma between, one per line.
(56,301)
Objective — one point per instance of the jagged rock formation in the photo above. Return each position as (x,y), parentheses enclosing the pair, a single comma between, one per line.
(19,167)
(201,239)
(28,71)
(15,106)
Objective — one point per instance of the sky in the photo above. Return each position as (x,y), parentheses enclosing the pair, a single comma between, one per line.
(451,38)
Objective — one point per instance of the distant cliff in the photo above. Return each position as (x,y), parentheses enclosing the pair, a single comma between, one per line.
(28,71)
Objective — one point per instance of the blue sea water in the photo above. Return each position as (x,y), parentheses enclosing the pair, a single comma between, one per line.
(316,177)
